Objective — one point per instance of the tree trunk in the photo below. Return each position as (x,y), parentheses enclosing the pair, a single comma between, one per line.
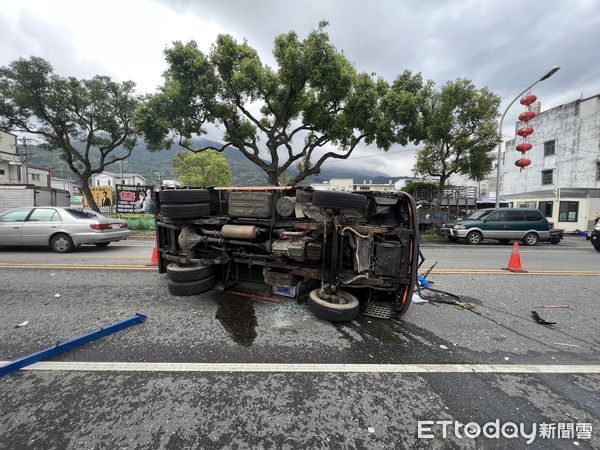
(273,179)
(88,194)
(440,196)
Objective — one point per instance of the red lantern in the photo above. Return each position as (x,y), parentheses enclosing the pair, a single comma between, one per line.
(525,131)
(524,147)
(523,162)
(526,116)
(528,99)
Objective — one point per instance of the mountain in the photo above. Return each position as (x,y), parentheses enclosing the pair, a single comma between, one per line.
(151,163)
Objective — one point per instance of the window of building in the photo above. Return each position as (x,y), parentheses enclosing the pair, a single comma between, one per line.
(546,208)
(547,176)
(598,171)
(108,182)
(2,172)
(550,148)
(526,205)
(35,176)
(568,212)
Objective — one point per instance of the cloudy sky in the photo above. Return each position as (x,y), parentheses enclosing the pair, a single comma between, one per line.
(504,45)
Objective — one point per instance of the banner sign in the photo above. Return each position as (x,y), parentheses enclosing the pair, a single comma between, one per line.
(103,195)
(134,199)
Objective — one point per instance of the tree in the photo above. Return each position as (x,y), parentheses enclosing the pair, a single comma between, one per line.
(313,107)
(461,131)
(209,168)
(88,120)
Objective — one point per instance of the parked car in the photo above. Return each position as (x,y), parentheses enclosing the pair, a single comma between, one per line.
(59,227)
(503,224)
(340,252)
(595,237)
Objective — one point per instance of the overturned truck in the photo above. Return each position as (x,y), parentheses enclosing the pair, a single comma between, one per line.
(342,253)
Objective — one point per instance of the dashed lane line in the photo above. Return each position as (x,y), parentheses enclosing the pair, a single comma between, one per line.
(312,368)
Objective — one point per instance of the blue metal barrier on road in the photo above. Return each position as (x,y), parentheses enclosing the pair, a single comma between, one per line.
(70,344)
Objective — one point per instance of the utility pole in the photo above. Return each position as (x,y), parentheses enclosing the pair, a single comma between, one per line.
(23,152)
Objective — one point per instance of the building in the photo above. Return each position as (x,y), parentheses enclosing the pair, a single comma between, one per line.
(10,163)
(563,179)
(67,184)
(39,176)
(348,184)
(112,179)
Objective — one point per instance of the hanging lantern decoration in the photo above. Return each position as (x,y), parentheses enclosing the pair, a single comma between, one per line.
(525,131)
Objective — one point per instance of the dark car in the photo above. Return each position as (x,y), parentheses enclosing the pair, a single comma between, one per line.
(595,237)
(340,252)
(503,224)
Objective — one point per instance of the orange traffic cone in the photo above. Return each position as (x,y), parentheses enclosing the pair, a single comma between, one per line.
(514,262)
(154,259)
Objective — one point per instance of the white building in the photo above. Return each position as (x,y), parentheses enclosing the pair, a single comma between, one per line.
(67,184)
(113,178)
(39,176)
(563,179)
(348,184)
(10,163)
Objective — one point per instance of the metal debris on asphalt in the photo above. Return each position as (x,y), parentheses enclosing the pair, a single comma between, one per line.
(539,320)
(22,324)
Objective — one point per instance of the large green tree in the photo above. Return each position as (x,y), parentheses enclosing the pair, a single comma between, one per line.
(313,106)
(209,168)
(461,131)
(89,121)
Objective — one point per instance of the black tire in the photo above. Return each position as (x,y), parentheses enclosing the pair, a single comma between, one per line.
(183,196)
(184,288)
(597,247)
(531,239)
(61,243)
(101,244)
(452,238)
(333,312)
(474,238)
(193,272)
(191,211)
(503,241)
(339,200)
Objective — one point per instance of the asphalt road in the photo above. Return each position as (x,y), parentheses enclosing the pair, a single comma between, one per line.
(214,371)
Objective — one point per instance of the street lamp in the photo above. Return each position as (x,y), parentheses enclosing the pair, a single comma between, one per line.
(542,78)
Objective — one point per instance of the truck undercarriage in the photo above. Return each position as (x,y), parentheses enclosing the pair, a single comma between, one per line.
(335,250)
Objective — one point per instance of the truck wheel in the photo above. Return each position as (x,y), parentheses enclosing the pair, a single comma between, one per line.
(339,200)
(191,211)
(183,196)
(61,243)
(474,238)
(334,312)
(530,239)
(193,272)
(183,288)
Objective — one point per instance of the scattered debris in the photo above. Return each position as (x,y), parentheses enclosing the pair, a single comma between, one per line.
(56,295)
(553,306)
(539,320)
(567,345)
(371,430)
(506,358)
(61,347)
(22,324)
(443,347)
(416,298)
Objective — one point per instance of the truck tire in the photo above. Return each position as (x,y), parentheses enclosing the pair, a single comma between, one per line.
(183,196)
(193,272)
(184,288)
(191,211)
(333,312)
(339,200)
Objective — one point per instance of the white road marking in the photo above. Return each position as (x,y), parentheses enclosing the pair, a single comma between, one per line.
(313,368)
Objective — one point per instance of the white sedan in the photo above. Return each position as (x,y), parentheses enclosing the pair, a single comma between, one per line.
(59,227)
